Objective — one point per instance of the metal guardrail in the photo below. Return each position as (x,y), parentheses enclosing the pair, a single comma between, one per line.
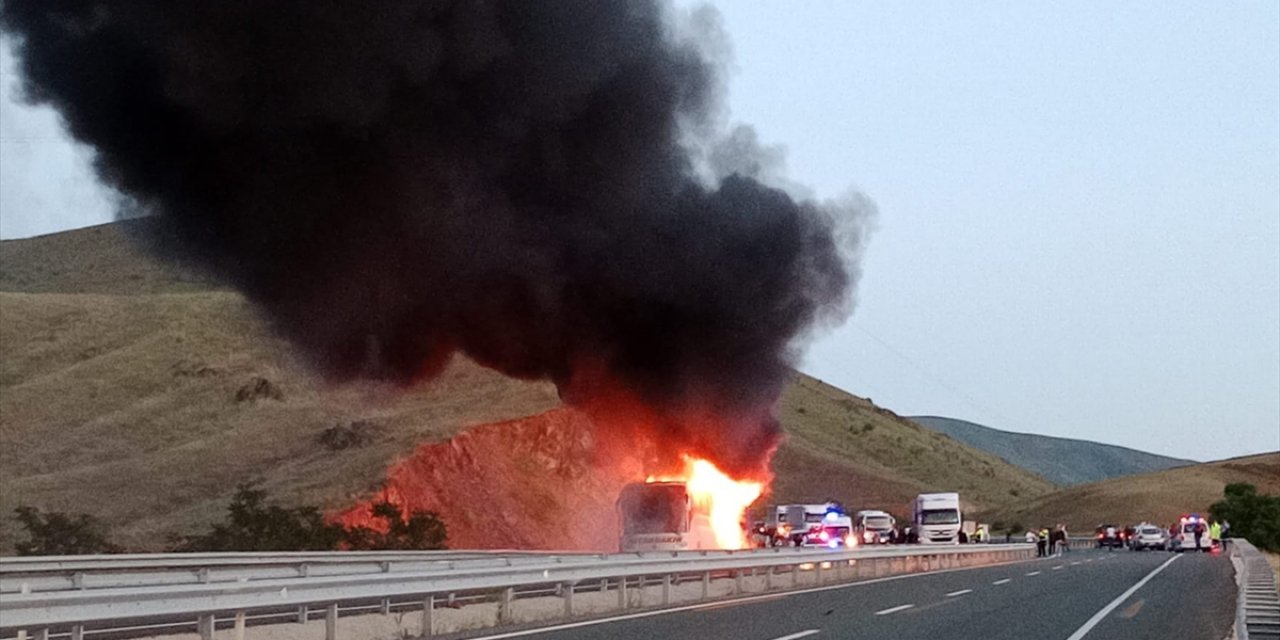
(80,610)
(1258,602)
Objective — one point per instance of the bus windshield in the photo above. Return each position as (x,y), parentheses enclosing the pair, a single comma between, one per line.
(654,508)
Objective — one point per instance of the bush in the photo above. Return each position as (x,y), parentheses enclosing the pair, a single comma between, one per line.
(59,534)
(360,433)
(421,530)
(253,525)
(1251,515)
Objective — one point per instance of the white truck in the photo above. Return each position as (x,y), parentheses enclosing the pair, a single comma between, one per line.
(935,518)
(873,527)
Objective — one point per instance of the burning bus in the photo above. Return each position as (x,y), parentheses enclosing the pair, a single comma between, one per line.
(700,507)
(660,516)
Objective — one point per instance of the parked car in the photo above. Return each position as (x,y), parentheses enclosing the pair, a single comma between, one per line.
(1109,537)
(1148,536)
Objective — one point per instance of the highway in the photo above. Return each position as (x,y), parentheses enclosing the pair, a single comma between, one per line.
(1084,594)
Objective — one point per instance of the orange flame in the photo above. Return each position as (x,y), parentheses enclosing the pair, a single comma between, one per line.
(719,497)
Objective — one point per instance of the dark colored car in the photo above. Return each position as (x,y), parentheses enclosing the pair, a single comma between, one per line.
(1109,537)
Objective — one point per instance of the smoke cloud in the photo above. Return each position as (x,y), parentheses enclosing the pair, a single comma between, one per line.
(546,187)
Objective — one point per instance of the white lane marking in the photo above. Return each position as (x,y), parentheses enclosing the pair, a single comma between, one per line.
(1056,568)
(1102,613)
(1005,581)
(723,603)
(959,593)
(802,634)
(1075,563)
(901,607)
(1034,573)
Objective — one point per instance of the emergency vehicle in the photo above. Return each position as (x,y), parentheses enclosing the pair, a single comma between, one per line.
(819,525)
(1188,525)
(660,516)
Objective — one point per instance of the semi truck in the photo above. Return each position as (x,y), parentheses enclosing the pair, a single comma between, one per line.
(935,518)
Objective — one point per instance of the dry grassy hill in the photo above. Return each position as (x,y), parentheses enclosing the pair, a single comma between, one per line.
(131,391)
(1159,496)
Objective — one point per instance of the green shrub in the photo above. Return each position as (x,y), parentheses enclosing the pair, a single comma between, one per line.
(253,525)
(1253,516)
(58,534)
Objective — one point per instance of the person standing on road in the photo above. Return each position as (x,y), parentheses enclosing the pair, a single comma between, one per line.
(1226,533)
(1199,534)
(1042,543)
(1030,537)
(1215,534)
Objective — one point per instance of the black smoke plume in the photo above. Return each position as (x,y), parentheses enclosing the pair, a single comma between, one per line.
(543,186)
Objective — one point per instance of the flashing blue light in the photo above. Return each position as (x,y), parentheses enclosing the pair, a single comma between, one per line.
(832,515)
(833,544)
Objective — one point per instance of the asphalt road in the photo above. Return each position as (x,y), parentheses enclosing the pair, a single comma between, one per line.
(1084,594)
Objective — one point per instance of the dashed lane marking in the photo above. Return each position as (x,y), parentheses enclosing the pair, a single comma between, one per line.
(801,634)
(1004,581)
(1034,573)
(901,607)
(1056,568)
(959,593)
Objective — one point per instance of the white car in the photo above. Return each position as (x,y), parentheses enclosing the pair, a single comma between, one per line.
(1146,536)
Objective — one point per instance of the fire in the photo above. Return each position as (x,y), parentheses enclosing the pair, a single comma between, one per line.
(721,498)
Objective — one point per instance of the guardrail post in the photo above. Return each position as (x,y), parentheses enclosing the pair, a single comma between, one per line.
(640,592)
(77,580)
(566,589)
(504,605)
(429,615)
(768,578)
(331,621)
(622,592)
(204,624)
(384,607)
(795,575)
(706,584)
(737,581)
(77,632)
(302,614)
(239,628)
(666,589)
(817,572)
(42,634)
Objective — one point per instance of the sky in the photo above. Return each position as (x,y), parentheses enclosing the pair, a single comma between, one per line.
(1079,205)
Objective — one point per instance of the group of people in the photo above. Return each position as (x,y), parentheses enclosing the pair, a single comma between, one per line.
(1050,542)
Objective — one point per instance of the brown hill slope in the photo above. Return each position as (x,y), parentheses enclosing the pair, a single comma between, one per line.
(119,385)
(1159,497)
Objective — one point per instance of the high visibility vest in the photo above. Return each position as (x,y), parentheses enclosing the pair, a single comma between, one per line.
(1215,531)
(1044,534)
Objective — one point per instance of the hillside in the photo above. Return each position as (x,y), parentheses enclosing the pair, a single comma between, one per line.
(1063,461)
(144,395)
(1159,497)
